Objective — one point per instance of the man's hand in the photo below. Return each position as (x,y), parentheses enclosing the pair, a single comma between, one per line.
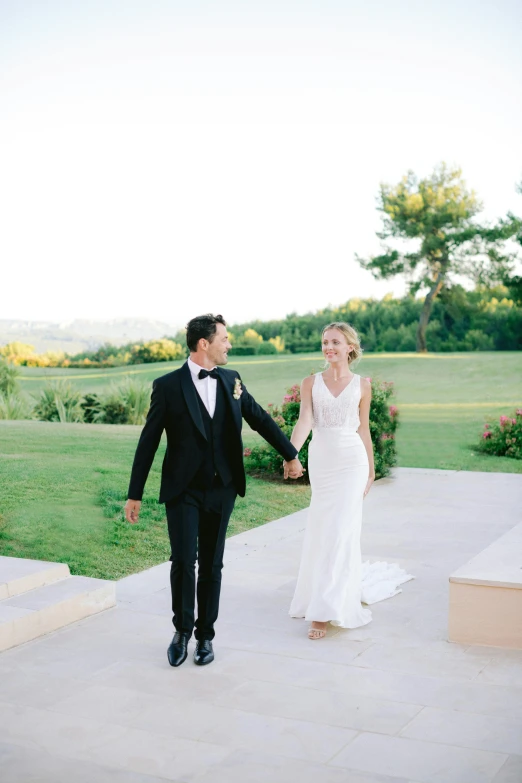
(293,468)
(132,511)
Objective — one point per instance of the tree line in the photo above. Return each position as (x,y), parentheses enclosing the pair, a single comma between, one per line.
(485,319)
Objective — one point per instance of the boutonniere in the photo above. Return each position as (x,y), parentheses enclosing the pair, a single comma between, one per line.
(238,389)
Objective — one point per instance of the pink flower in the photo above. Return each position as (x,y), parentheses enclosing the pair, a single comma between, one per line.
(288,398)
(270,404)
(519,411)
(503,420)
(247,452)
(487,426)
(513,421)
(487,435)
(393,411)
(368,379)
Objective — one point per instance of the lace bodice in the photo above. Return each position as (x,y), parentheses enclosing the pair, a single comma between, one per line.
(338,412)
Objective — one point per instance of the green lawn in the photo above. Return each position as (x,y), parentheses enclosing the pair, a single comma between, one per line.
(421,379)
(62,486)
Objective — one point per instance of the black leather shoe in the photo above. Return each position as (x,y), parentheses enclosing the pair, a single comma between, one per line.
(203,653)
(177,652)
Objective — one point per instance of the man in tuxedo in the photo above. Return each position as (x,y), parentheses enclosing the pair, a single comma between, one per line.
(200,406)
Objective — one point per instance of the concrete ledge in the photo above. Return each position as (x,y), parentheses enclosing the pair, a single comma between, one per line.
(499,565)
(38,612)
(18,575)
(485,598)
(485,615)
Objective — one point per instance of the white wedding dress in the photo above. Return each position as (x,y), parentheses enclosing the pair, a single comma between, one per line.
(333,583)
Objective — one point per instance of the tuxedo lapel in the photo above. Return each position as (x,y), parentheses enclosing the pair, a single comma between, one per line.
(189,392)
(235,405)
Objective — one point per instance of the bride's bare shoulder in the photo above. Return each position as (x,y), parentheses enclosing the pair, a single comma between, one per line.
(306,386)
(366,386)
(307,382)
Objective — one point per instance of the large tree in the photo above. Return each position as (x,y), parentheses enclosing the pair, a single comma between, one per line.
(437,215)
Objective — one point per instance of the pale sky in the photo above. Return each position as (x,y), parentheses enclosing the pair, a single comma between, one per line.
(160,159)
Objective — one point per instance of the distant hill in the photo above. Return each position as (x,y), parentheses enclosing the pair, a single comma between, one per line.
(81,335)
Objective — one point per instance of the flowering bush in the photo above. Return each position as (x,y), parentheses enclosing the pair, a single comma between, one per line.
(384,419)
(503,438)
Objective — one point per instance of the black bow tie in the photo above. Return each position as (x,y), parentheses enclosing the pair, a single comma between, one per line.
(211,374)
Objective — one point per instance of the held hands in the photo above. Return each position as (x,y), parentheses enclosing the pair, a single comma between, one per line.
(132,511)
(369,483)
(293,469)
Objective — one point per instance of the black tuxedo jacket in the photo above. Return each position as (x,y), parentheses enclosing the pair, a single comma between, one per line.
(174,408)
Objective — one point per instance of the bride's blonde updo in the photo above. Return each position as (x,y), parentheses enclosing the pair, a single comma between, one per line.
(351,337)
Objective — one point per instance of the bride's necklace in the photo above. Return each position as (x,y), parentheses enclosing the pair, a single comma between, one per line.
(339,377)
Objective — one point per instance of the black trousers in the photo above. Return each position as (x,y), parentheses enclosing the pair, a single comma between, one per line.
(197,523)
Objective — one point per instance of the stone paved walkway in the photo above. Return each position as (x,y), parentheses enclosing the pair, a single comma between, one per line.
(393,702)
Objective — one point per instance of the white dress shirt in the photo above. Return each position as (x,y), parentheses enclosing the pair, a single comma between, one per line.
(205,387)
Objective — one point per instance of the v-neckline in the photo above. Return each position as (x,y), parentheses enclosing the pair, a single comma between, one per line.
(340,393)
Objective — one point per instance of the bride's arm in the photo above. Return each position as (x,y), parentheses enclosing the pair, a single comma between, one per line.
(364,428)
(305,420)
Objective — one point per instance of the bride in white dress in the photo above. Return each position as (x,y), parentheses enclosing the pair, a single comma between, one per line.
(333,583)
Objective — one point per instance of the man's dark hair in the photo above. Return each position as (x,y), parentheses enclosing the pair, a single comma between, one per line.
(203,326)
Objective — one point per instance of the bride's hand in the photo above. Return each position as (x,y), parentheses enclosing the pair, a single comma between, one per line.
(369,483)
(292,469)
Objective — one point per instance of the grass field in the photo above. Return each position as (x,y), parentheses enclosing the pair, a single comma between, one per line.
(444,399)
(62,486)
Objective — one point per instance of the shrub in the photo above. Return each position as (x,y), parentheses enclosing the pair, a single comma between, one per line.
(91,407)
(402,338)
(384,419)
(16,352)
(266,348)
(114,410)
(125,403)
(244,350)
(251,336)
(59,401)
(278,343)
(251,343)
(263,459)
(137,397)
(477,340)
(503,438)
(14,406)
(163,350)
(8,377)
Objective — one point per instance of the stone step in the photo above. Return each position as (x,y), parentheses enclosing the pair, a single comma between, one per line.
(32,614)
(486,595)
(18,575)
